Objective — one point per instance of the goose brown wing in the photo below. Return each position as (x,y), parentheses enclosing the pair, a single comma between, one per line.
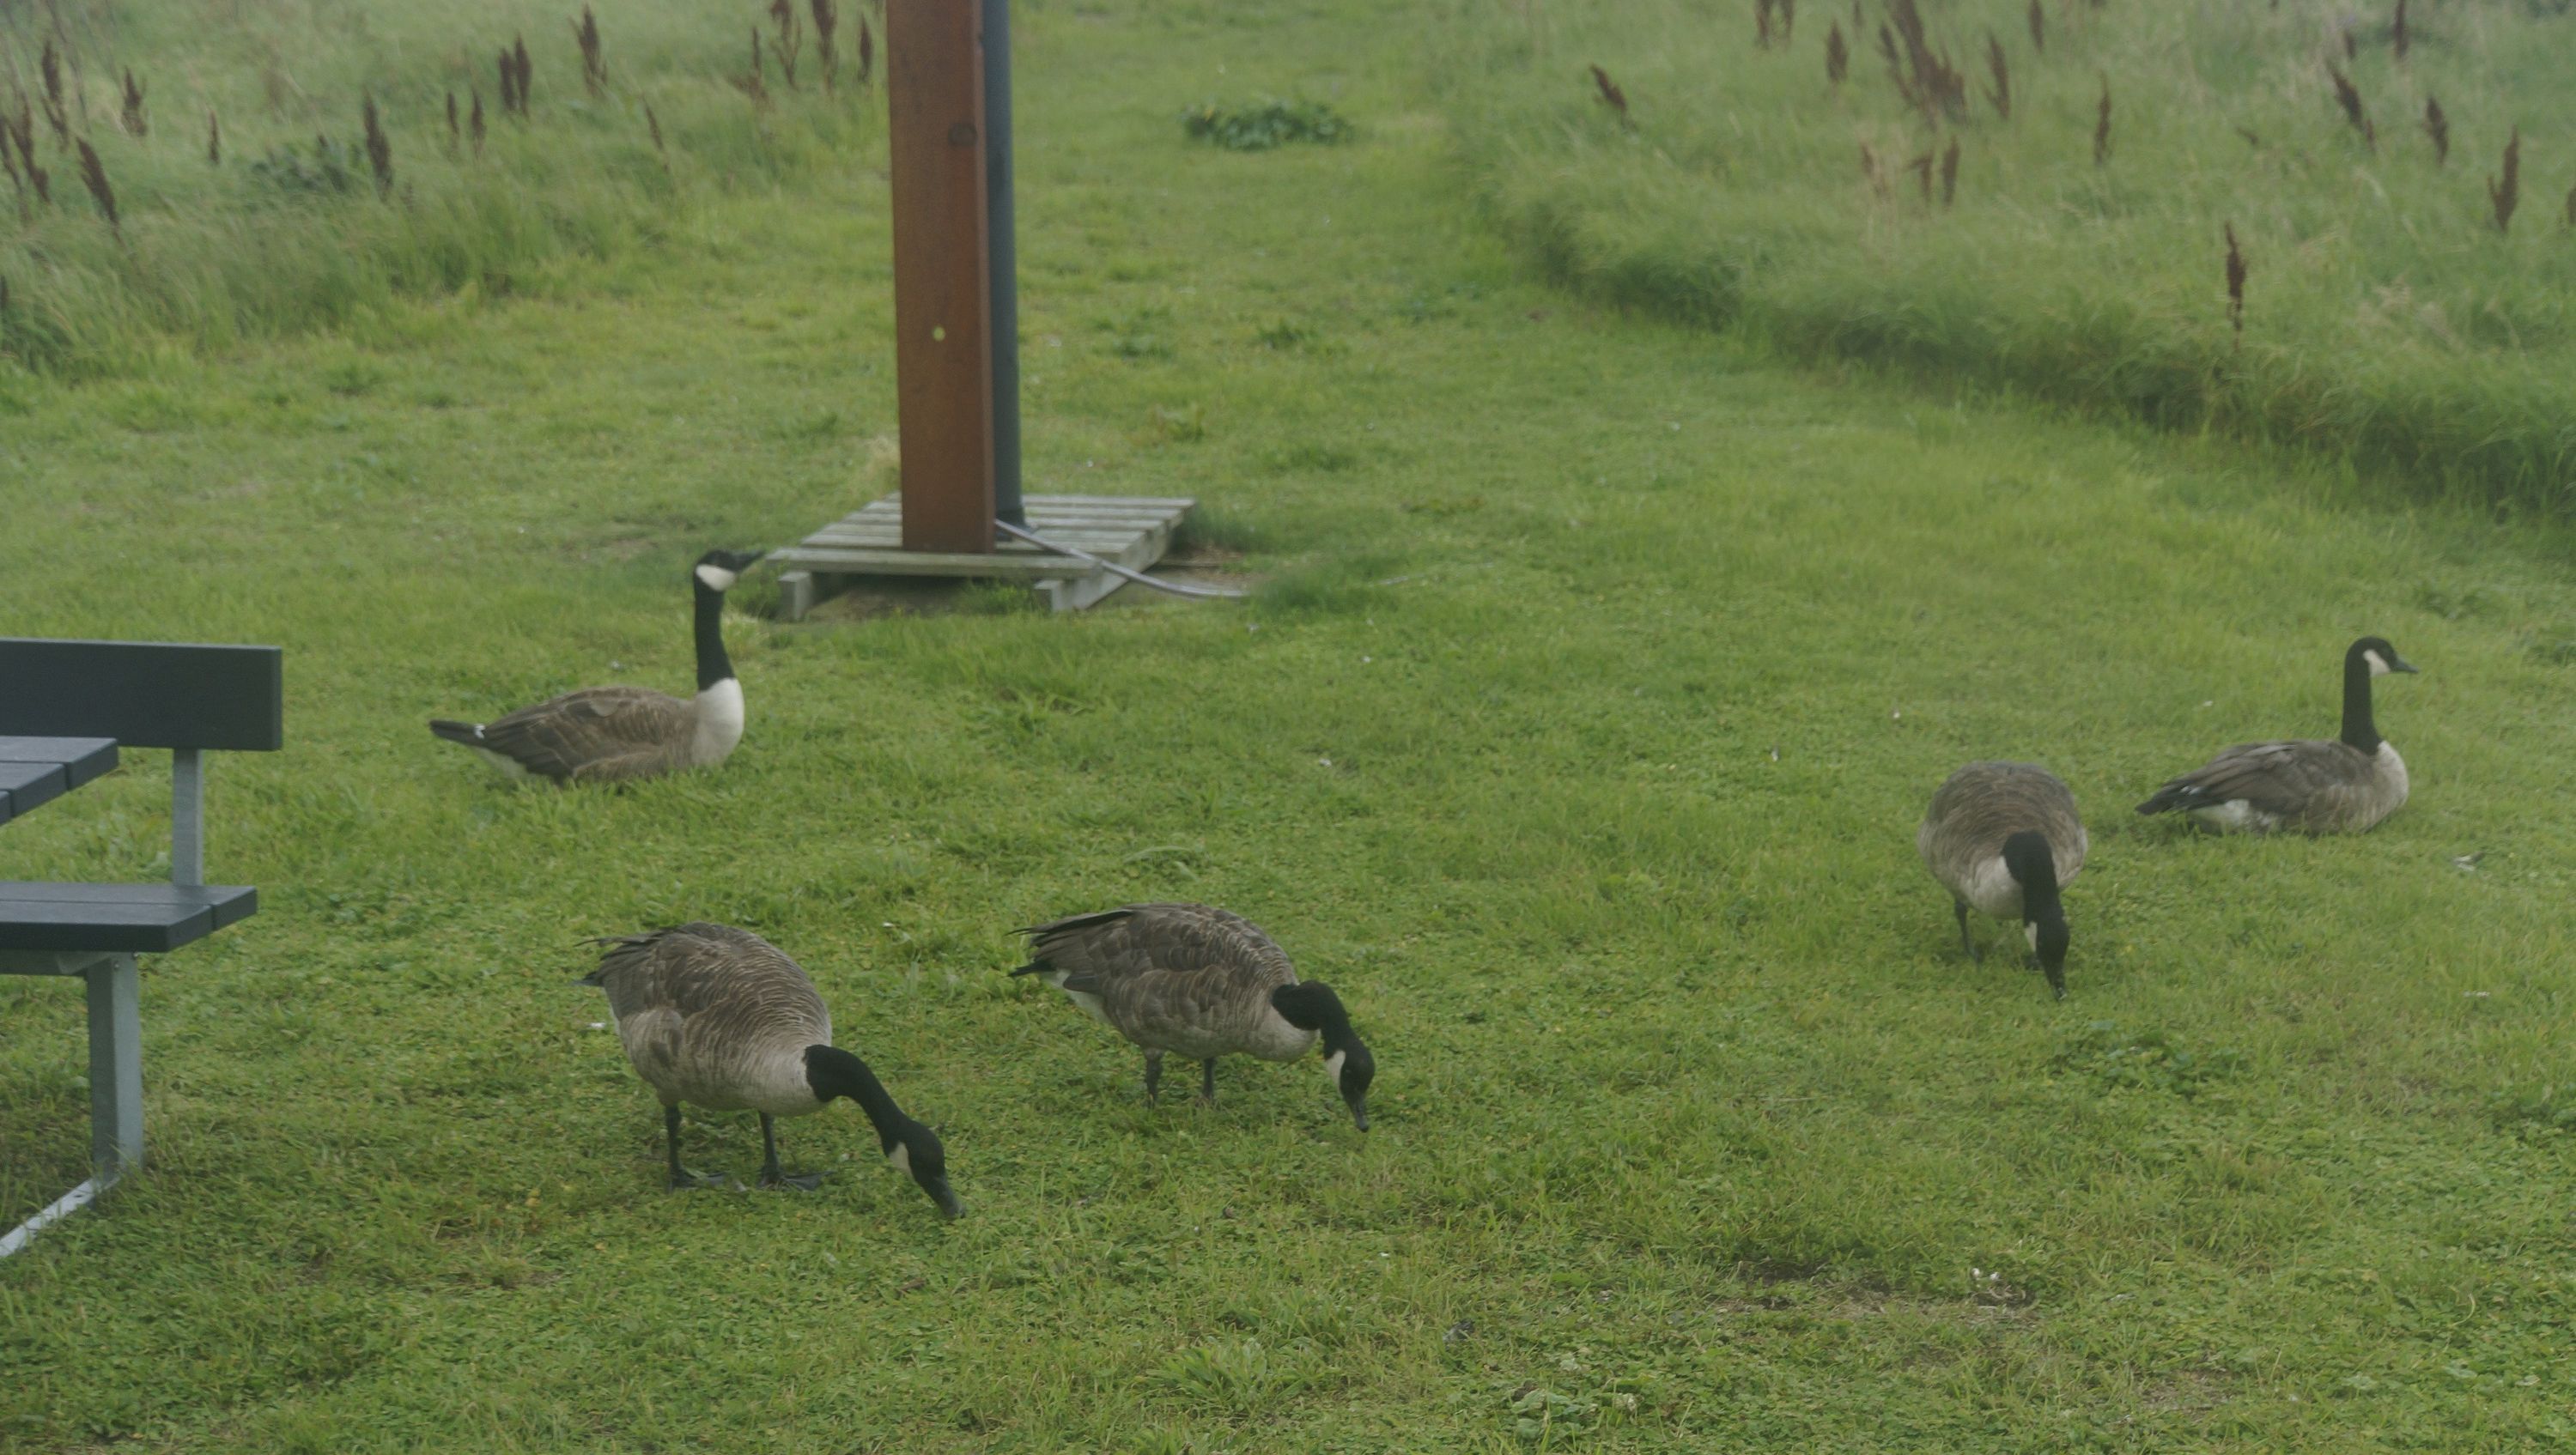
(2299,781)
(597,732)
(1175,975)
(717,981)
(1984,804)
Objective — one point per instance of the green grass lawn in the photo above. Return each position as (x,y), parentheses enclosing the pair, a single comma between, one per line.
(2386,317)
(1578,736)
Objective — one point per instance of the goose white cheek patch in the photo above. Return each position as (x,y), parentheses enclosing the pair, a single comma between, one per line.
(1333,1066)
(900,1159)
(716,577)
(2378,664)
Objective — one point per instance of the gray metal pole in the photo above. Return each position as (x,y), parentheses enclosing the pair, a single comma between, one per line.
(1003,260)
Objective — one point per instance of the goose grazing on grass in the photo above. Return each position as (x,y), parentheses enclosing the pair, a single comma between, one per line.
(2315,786)
(1199,981)
(620,733)
(720,1018)
(2005,838)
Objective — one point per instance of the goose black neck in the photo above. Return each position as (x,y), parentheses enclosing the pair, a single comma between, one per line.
(1311,1005)
(713,665)
(2358,728)
(2034,867)
(833,1072)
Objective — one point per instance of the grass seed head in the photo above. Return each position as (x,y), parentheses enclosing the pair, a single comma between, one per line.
(2348,96)
(455,127)
(2235,283)
(215,139)
(1950,173)
(594,64)
(94,177)
(2102,124)
(2001,70)
(1837,55)
(791,39)
(130,114)
(2397,36)
(867,50)
(1611,95)
(827,20)
(474,122)
(380,150)
(521,70)
(509,82)
(1762,23)
(653,127)
(50,68)
(2505,193)
(2038,28)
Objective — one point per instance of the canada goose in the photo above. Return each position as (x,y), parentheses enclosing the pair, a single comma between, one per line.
(719,1017)
(1198,980)
(613,733)
(2005,837)
(2341,786)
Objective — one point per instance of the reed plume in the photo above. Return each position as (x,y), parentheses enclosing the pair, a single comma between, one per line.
(56,114)
(2438,127)
(522,70)
(2397,37)
(782,13)
(455,128)
(214,140)
(94,177)
(827,20)
(1950,172)
(594,63)
(130,114)
(1612,96)
(1837,55)
(867,50)
(2102,124)
(2001,95)
(380,151)
(2506,194)
(2348,96)
(474,122)
(2235,284)
(2038,28)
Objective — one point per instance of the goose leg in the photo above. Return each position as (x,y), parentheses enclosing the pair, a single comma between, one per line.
(1967,942)
(1207,1083)
(770,1176)
(682,1177)
(1153,1076)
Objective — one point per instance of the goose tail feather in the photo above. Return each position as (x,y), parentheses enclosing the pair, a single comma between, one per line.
(450,730)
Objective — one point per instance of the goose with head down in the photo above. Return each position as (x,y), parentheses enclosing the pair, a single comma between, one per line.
(720,1018)
(1198,981)
(2005,838)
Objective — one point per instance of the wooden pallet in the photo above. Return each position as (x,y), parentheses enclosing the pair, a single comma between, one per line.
(1131,530)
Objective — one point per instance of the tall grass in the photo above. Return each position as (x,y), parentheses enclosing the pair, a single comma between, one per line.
(2385,313)
(266,242)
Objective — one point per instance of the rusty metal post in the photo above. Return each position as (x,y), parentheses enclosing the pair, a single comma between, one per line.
(942,273)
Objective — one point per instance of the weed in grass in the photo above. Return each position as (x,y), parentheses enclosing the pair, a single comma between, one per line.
(286,168)
(1265,125)
(1285,334)
(380,150)
(94,177)
(130,114)
(1167,425)
(2116,1058)
(50,72)
(791,39)
(2505,193)
(827,22)
(1837,54)
(2102,124)
(2348,96)
(2438,127)
(2235,284)
(1611,95)
(594,61)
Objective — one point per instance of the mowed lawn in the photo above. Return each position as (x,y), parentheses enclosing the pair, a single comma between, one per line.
(1578,735)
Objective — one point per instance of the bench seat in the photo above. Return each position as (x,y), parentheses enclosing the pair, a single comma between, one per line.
(123,918)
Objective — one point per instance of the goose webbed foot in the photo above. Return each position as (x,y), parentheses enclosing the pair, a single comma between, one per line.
(770,1175)
(802,1182)
(684,1180)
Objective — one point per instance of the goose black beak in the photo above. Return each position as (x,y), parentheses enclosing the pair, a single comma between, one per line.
(2394,665)
(1359,1111)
